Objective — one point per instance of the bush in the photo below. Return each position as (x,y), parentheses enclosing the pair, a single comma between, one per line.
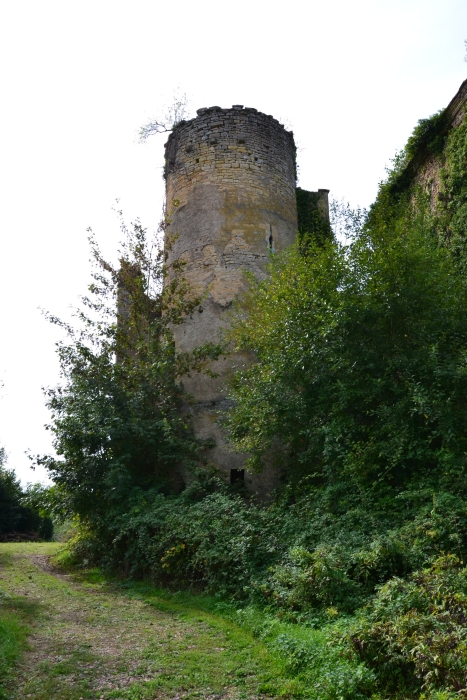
(414,633)
(215,542)
(317,579)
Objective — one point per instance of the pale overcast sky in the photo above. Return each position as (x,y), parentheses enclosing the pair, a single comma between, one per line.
(79,78)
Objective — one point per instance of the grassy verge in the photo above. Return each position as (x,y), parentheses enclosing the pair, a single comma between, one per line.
(13,634)
(17,613)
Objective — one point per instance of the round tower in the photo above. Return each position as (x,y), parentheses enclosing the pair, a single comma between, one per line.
(231,202)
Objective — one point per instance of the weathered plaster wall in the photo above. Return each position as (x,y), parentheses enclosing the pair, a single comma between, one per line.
(231,175)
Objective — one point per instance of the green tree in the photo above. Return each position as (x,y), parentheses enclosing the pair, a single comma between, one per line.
(360,369)
(10,497)
(117,417)
(17,513)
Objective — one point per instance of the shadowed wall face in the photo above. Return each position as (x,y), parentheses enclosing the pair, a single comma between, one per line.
(231,200)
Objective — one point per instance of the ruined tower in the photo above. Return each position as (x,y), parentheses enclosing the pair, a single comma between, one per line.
(231,201)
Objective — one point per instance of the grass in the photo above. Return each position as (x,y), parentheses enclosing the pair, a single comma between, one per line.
(92,637)
(16,614)
(12,641)
(284,659)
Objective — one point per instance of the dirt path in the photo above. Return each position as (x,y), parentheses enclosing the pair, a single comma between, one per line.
(90,641)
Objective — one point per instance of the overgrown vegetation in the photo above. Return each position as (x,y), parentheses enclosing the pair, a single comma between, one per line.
(358,393)
(428,139)
(311,222)
(117,418)
(95,636)
(452,197)
(414,631)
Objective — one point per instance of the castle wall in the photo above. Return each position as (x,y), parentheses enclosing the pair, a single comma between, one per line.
(313,214)
(231,202)
(426,167)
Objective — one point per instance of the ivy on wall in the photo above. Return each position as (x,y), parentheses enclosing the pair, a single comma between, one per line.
(427,139)
(434,142)
(452,203)
(311,219)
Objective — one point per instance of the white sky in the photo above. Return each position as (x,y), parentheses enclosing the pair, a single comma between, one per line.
(79,78)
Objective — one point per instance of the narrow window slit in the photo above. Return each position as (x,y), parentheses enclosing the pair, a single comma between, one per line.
(237,476)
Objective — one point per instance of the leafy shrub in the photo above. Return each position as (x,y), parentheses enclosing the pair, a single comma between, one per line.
(338,560)
(414,633)
(331,676)
(216,542)
(452,204)
(311,579)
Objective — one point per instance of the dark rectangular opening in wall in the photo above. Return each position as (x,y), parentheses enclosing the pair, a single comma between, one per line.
(237,476)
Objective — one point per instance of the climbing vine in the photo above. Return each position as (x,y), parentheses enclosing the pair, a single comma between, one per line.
(427,139)
(452,202)
(311,221)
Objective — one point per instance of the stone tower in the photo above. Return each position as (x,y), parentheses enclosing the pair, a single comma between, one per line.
(230,188)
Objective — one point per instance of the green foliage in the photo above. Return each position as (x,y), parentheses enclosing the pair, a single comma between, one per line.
(11,513)
(414,633)
(360,363)
(40,499)
(17,513)
(118,427)
(311,221)
(332,677)
(436,141)
(427,139)
(331,562)
(452,205)
(428,136)
(213,541)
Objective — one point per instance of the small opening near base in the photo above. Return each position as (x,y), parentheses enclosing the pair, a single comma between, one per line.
(237,476)
(271,240)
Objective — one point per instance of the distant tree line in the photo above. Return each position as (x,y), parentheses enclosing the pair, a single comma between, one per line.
(21,515)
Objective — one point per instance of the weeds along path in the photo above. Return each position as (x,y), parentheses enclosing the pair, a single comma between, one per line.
(90,640)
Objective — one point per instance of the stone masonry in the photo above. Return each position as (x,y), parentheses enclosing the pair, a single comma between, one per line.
(231,202)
